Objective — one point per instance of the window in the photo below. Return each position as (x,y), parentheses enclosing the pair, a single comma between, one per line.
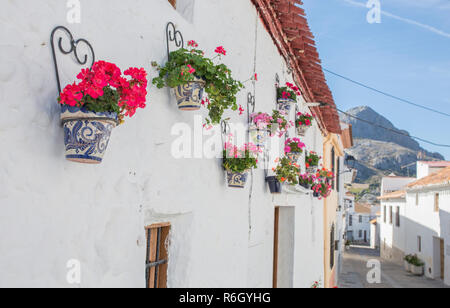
(360,219)
(385,214)
(436,202)
(350,220)
(157,256)
(338,175)
(417,199)
(332,247)
(397,218)
(419,243)
(360,233)
(174,3)
(391,215)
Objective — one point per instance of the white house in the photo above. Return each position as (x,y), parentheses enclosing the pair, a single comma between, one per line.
(415,220)
(428,223)
(358,223)
(393,207)
(106,222)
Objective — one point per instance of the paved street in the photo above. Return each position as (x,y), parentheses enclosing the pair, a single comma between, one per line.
(354,272)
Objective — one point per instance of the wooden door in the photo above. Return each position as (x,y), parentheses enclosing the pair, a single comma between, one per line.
(442,259)
(275,248)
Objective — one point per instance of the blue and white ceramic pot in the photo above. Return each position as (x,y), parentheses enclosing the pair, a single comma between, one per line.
(189,96)
(237,179)
(285,104)
(258,136)
(312,169)
(294,157)
(86,134)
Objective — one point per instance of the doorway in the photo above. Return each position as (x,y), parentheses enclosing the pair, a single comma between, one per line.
(365,236)
(284,243)
(442,244)
(438,258)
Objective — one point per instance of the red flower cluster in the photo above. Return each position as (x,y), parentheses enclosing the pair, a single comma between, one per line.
(221,51)
(294,88)
(192,44)
(132,91)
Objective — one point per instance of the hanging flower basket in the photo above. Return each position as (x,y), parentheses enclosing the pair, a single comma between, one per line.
(190,73)
(287,96)
(303,122)
(238,162)
(312,162)
(86,134)
(274,185)
(97,104)
(237,179)
(285,104)
(294,157)
(294,149)
(189,95)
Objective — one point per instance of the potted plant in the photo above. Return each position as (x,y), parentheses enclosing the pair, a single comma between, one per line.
(417,266)
(303,122)
(407,263)
(279,124)
(238,162)
(91,108)
(287,96)
(307,180)
(287,172)
(316,285)
(274,184)
(347,245)
(258,129)
(190,73)
(294,149)
(312,162)
(325,174)
(321,189)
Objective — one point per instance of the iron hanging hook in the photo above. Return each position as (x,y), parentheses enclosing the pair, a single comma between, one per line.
(175,36)
(74,44)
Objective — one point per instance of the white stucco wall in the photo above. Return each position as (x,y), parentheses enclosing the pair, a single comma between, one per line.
(54,211)
(393,238)
(423,221)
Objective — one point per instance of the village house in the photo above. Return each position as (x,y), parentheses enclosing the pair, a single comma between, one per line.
(415,219)
(144,218)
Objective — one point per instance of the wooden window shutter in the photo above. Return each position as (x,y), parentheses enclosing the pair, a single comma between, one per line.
(157,256)
(436,203)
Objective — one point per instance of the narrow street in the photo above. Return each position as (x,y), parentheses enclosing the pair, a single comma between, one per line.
(354,272)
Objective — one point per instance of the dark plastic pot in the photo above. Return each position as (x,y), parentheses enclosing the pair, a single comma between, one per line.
(274,185)
(307,186)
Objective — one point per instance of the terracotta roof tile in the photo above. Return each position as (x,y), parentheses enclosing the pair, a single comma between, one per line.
(393,195)
(439,178)
(363,208)
(437,164)
(286,22)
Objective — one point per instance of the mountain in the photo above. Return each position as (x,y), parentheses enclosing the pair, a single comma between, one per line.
(380,151)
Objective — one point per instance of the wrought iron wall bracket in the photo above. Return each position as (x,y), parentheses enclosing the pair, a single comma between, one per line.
(173,36)
(74,44)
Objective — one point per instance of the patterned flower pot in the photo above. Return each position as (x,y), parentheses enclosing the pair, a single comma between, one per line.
(301,130)
(285,104)
(258,137)
(274,185)
(316,195)
(311,170)
(294,157)
(86,134)
(236,179)
(189,96)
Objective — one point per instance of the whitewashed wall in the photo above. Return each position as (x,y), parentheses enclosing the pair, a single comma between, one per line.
(54,210)
(393,238)
(445,229)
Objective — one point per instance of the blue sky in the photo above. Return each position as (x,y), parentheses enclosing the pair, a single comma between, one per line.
(407,55)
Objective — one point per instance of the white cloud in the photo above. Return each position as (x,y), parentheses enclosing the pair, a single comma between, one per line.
(427,3)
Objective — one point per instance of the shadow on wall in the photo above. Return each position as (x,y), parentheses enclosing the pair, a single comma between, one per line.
(421,241)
